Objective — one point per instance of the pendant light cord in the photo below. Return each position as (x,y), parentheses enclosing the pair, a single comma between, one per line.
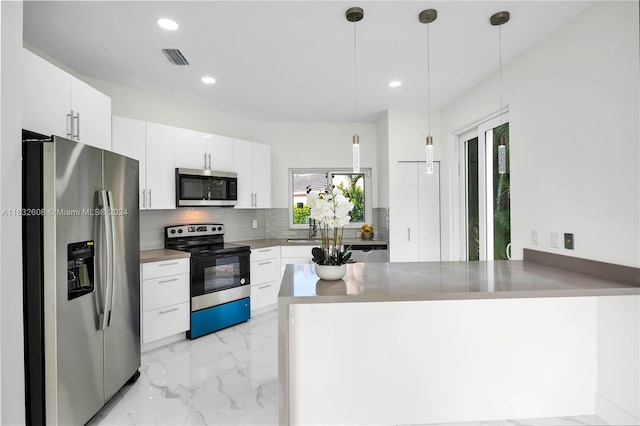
(500,58)
(428,82)
(355,70)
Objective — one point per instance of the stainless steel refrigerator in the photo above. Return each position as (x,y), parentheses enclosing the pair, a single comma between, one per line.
(81,254)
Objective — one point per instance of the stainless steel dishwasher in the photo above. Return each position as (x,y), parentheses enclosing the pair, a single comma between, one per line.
(370,252)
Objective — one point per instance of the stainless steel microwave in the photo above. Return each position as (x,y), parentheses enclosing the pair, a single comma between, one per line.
(203,188)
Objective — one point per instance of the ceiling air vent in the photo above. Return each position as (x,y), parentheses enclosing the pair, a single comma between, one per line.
(175,56)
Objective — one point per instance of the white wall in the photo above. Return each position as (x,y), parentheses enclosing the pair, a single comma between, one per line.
(316,145)
(573,105)
(11,341)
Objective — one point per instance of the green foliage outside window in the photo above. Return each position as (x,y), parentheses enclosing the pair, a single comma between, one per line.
(301,214)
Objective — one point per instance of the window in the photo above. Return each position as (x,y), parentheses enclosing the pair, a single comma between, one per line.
(358,185)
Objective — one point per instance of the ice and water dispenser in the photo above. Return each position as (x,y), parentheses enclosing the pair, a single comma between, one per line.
(80,263)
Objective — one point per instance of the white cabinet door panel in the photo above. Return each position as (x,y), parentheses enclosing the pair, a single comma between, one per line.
(129,138)
(243,166)
(165,321)
(262,175)
(190,148)
(46,96)
(221,150)
(165,291)
(93,109)
(161,179)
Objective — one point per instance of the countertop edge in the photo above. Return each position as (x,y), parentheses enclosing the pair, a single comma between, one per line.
(158,255)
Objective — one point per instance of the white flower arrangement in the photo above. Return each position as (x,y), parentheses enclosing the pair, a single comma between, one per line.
(331,210)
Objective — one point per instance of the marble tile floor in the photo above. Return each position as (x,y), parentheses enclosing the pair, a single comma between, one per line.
(227,378)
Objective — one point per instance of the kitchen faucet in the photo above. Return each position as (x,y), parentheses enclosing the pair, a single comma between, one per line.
(313,228)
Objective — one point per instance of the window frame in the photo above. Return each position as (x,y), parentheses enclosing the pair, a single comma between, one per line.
(329,171)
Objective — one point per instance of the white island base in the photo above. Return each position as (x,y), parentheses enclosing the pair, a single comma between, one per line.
(441,361)
(427,343)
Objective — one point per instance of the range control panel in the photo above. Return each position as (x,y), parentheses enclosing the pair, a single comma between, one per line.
(194,230)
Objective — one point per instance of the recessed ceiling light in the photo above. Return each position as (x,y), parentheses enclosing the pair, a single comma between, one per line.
(395,83)
(167,24)
(208,80)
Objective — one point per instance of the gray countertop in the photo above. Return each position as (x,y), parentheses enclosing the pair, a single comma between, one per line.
(377,282)
(158,255)
(270,242)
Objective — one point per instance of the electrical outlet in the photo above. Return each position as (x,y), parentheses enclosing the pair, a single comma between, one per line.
(555,239)
(534,237)
(255,224)
(568,241)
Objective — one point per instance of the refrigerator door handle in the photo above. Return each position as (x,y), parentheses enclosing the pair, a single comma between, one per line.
(112,260)
(106,235)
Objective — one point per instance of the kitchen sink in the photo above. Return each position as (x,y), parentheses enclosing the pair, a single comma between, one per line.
(304,240)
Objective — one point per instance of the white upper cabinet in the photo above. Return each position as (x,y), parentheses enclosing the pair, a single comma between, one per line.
(199,150)
(252,163)
(153,146)
(161,166)
(56,103)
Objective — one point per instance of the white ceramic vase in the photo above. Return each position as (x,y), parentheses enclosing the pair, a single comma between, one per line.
(331,272)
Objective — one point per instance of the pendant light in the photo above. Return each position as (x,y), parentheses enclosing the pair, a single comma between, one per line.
(355,14)
(427,16)
(498,19)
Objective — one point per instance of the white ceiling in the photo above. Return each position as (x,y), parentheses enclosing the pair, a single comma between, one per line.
(292,60)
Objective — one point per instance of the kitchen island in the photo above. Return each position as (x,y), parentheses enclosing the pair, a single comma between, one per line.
(408,343)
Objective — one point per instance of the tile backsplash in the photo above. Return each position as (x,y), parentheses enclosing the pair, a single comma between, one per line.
(272,223)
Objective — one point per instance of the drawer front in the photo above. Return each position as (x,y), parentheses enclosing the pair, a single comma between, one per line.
(165,268)
(265,253)
(165,322)
(165,291)
(296,251)
(264,294)
(264,271)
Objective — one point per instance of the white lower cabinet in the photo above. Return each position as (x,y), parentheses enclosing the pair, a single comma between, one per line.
(165,299)
(265,278)
(294,255)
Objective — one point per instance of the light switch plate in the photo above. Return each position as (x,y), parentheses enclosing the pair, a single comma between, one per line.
(534,237)
(555,239)
(255,224)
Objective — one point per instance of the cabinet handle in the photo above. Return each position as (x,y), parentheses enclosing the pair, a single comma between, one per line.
(265,263)
(408,234)
(205,161)
(168,264)
(264,250)
(264,286)
(149,198)
(77,126)
(167,281)
(209,161)
(167,311)
(144,199)
(256,197)
(70,125)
